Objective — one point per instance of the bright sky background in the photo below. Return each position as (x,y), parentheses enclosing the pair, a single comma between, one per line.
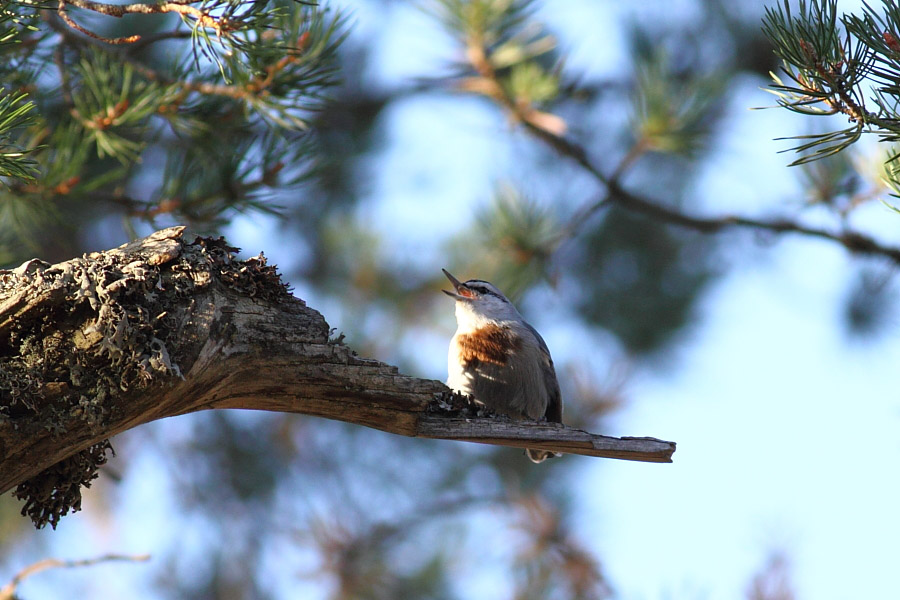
(787,429)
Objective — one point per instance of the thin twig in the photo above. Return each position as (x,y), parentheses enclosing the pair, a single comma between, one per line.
(8,591)
(221,25)
(853,241)
(583,216)
(61,11)
(152,38)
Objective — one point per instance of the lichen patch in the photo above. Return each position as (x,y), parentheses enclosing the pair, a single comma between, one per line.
(77,335)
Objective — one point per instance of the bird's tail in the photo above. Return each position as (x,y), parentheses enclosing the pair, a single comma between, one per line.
(539,456)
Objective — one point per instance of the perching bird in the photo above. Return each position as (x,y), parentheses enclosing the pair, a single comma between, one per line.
(500,360)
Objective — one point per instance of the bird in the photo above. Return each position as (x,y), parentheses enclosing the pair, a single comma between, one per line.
(500,360)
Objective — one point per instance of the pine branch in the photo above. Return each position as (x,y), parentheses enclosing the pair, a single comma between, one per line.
(203,18)
(245,138)
(489,84)
(839,66)
(15,114)
(279,78)
(853,241)
(832,62)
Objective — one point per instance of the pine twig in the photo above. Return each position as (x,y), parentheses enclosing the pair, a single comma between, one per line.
(488,84)
(203,18)
(152,38)
(246,92)
(61,11)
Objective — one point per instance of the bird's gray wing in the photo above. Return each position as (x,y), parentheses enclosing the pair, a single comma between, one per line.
(554,396)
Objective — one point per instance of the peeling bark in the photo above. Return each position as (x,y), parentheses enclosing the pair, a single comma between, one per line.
(160,327)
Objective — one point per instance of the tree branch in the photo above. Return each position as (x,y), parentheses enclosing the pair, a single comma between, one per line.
(257,86)
(152,38)
(8,591)
(203,18)
(553,134)
(160,327)
(64,15)
(545,436)
(853,241)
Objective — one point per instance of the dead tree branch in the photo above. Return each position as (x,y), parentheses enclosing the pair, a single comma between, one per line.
(8,591)
(161,327)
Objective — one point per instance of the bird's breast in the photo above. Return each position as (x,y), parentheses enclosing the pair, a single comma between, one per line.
(489,344)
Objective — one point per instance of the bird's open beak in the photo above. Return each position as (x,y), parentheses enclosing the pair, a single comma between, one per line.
(456,286)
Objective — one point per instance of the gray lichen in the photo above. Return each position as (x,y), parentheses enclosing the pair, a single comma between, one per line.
(50,496)
(76,337)
(88,326)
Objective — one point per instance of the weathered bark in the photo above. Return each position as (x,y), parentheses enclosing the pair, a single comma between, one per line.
(160,327)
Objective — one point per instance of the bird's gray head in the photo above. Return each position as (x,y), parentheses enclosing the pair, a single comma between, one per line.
(479,303)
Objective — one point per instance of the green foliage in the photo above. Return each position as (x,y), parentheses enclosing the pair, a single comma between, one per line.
(529,82)
(240,37)
(223,114)
(17,17)
(15,161)
(672,112)
(511,244)
(286,72)
(112,106)
(16,110)
(489,21)
(833,64)
(810,41)
(524,44)
(509,58)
